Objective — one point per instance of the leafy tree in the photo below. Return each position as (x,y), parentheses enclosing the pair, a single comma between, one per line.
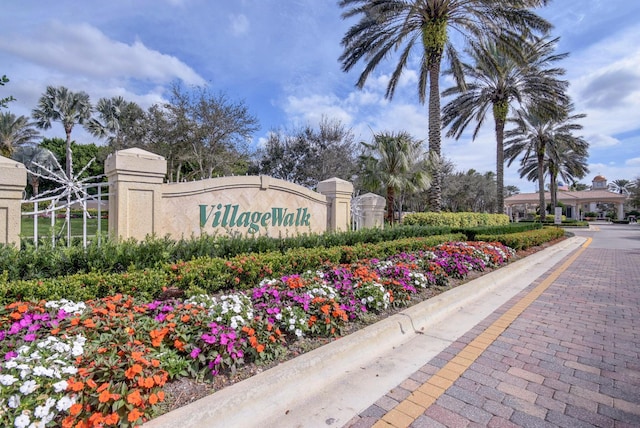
(83,153)
(64,106)
(386,26)
(499,78)
(15,132)
(395,163)
(211,132)
(4,101)
(469,191)
(511,190)
(534,133)
(306,156)
(578,187)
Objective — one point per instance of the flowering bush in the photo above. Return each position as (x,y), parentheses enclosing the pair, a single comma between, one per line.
(104,362)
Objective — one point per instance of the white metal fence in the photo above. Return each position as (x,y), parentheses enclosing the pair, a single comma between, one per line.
(49,207)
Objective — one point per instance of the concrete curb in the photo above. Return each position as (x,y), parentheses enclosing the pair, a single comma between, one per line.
(329,380)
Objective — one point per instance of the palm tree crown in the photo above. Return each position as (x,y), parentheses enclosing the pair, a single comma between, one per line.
(15,131)
(64,106)
(537,132)
(394,162)
(387,26)
(499,77)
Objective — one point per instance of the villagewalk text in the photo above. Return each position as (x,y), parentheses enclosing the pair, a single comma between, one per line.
(228,216)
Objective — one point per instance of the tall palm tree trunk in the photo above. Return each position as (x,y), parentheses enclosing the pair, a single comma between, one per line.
(435,134)
(500,111)
(391,196)
(541,182)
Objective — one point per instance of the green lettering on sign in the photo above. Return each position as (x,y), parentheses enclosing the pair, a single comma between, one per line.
(230,216)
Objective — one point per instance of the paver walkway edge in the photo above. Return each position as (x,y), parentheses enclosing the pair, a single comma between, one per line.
(408,410)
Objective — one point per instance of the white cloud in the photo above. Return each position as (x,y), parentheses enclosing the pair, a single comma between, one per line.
(601,140)
(633,162)
(84,50)
(239,24)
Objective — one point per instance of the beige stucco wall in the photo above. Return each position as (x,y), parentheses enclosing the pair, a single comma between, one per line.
(255,202)
(140,203)
(13,179)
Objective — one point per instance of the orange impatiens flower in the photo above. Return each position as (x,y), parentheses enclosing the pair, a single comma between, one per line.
(72,385)
(91,383)
(75,409)
(134,415)
(112,419)
(178,345)
(104,396)
(146,382)
(132,371)
(134,398)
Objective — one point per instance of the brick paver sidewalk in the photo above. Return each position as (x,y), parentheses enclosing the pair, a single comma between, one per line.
(562,353)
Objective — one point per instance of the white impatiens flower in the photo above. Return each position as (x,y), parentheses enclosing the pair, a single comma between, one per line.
(22,421)
(7,380)
(60,386)
(43,371)
(14,401)
(28,387)
(70,370)
(65,403)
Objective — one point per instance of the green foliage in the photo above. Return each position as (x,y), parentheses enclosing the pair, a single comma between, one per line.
(471,233)
(145,284)
(112,257)
(524,240)
(4,101)
(456,220)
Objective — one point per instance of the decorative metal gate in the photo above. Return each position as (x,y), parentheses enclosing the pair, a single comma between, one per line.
(72,194)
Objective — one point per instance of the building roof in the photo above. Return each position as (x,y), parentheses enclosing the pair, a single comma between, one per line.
(568,197)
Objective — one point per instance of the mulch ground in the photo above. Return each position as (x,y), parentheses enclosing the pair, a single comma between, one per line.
(183,391)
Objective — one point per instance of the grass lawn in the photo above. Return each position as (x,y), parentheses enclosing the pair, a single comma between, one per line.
(44,227)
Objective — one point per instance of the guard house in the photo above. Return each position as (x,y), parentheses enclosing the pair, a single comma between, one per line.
(598,200)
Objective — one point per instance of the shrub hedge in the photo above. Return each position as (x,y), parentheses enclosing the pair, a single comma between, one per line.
(524,240)
(209,274)
(459,220)
(48,262)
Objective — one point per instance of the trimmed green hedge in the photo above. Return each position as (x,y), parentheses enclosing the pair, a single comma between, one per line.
(47,262)
(524,240)
(213,274)
(205,274)
(456,220)
(471,233)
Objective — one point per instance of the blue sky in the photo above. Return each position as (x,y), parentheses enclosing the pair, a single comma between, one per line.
(281,58)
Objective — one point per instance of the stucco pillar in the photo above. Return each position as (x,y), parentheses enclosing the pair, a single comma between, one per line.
(135,178)
(13,180)
(338,193)
(370,210)
(621,211)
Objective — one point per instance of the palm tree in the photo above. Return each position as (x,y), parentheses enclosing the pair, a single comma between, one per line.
(15,132)
(387,26)
(498,78)
(115,115)
(37,160)
(69,108)
(396,163)
(536,130)
(621,186)
(567,159)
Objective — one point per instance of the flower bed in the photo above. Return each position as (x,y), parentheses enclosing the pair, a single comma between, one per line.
(105,362)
